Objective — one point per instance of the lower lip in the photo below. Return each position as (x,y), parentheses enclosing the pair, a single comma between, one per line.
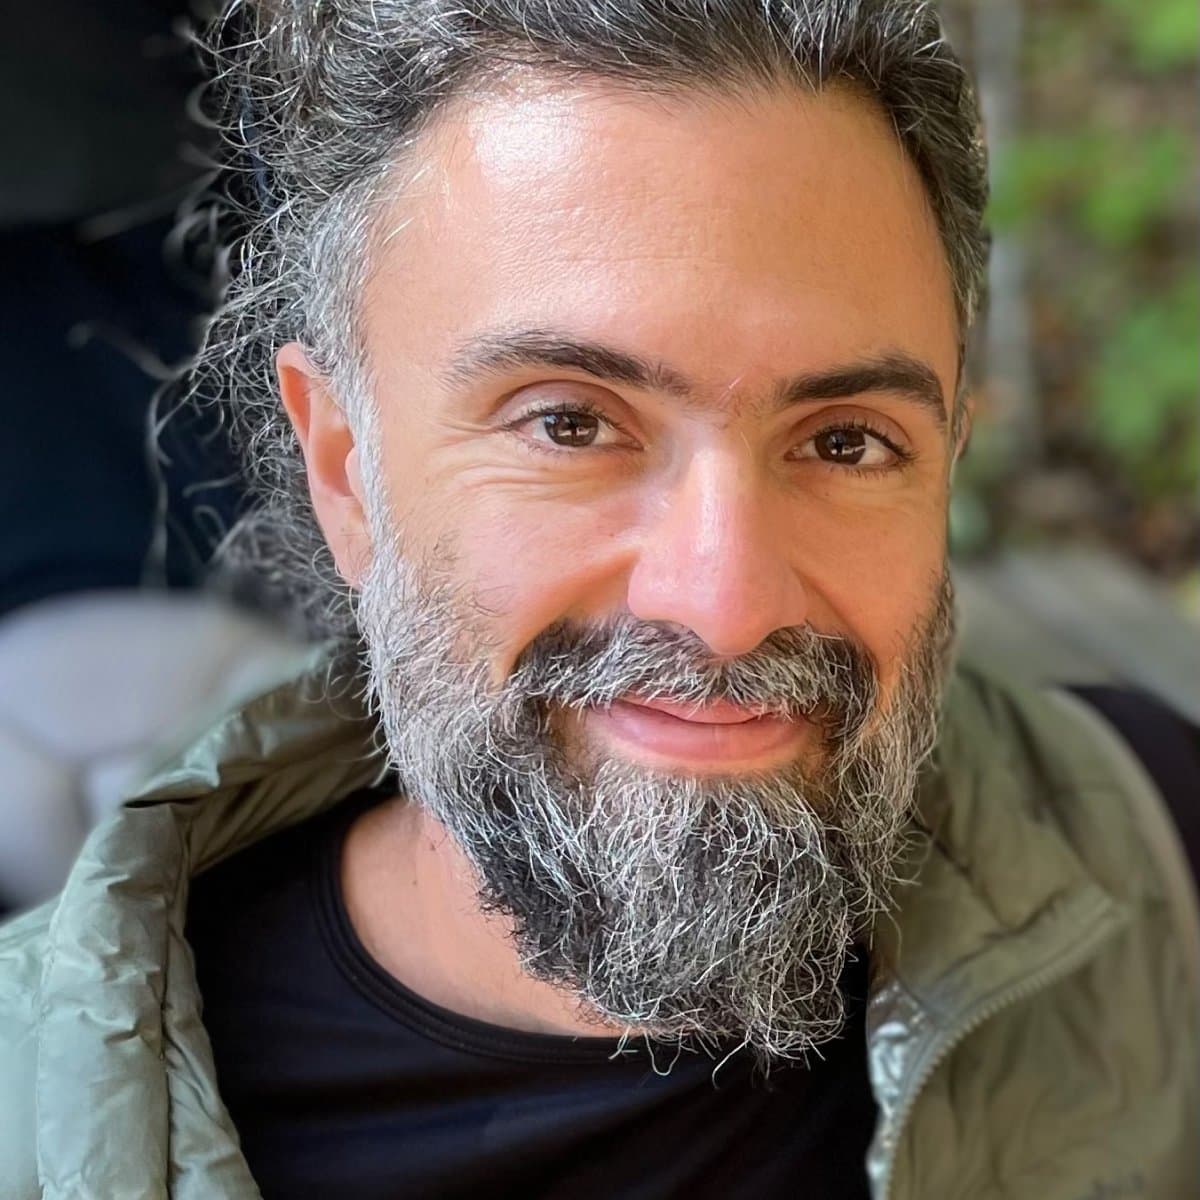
(755,743)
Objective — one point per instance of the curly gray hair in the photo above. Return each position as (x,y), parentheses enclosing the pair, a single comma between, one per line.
(321,98)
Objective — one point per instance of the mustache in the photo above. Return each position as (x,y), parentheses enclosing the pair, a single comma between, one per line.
(794,672)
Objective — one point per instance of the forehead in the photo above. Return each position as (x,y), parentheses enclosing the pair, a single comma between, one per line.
(739,236)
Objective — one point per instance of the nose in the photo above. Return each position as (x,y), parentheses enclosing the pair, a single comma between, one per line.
(716,559)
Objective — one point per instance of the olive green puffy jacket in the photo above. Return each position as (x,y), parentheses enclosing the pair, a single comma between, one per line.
(1037,1037)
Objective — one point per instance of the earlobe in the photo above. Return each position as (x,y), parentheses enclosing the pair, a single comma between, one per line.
(330,459)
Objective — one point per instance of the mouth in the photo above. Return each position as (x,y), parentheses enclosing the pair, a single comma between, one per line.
(698,737)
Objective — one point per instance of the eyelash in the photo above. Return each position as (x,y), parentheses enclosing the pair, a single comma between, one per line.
(905,457)
(575,408)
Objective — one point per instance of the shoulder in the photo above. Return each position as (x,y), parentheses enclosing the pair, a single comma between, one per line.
(1055,764)
(1051,759)
(23,946)
(1038,732)
(1030,787)
(1048,891)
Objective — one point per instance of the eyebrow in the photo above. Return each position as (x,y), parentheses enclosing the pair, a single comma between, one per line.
(493,353)
(894,371)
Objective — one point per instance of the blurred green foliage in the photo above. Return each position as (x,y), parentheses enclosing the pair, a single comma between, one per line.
(1144,388)
(1100,188)
(1163,35)
(1114,185)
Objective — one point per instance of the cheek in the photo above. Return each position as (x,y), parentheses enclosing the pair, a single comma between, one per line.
(877,576)
(527,550)
(530,561)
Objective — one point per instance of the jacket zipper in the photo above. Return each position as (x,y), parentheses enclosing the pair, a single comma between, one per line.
(942,1046)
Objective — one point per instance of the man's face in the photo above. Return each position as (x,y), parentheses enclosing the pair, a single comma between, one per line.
(656,498)
(733,248)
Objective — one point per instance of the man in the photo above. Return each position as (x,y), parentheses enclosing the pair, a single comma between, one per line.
(621,351)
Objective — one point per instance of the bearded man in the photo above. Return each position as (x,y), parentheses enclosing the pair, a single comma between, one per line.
(630,836)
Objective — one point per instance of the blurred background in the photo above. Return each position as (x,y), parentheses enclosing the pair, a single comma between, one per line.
(1076,520)
(1086,363)
(113,495)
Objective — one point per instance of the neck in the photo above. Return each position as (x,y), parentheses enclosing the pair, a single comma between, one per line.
(412,899)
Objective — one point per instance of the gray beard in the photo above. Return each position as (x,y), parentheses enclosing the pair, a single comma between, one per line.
(712,908)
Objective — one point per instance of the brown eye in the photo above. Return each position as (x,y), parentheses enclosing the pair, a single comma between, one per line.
(570,428)
(851,446)
(841,445)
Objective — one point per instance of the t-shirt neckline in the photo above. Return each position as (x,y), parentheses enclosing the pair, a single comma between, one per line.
(394,998)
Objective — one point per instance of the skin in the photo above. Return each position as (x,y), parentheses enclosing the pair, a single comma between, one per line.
(738,242)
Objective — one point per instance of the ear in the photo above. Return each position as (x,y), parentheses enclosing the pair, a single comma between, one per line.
(331,458)
(964,423)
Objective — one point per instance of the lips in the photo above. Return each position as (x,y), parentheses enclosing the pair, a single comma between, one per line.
(698,736)
(709,712)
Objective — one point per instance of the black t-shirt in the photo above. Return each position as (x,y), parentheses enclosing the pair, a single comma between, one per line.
(345,1084)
